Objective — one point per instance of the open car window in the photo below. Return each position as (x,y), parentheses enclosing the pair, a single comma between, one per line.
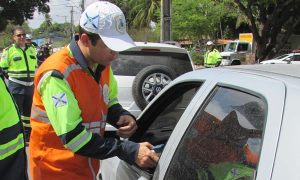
(224,139)
(157,124)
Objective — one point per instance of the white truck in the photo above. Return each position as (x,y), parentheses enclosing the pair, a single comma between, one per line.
(235,52)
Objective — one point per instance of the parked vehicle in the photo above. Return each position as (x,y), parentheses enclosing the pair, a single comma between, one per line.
(237,122)
(143,71)
(291,58)
(235,53)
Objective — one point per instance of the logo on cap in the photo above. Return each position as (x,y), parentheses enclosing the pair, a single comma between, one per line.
(120,24)
(91,21)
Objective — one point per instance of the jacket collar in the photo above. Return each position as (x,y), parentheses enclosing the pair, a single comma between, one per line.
(77,54)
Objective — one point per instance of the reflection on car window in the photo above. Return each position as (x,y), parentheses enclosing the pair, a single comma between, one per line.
(130,63)
(297,58)
(282,56)
(224,139)
(167,115)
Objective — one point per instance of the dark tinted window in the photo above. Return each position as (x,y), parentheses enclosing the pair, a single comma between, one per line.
(223,141)
(242,47)
(158,123)
(297,58)
(129,63)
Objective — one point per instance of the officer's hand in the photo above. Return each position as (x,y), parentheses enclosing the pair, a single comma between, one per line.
(146,157)
(127,126)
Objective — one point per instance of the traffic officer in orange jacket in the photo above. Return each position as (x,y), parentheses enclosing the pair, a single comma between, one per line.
(75,95)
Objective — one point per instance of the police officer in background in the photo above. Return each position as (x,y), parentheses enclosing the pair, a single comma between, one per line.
(212,57)
(13,163)
(19,61)
(29,40)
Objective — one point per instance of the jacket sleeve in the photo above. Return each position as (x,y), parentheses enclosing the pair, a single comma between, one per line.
(115,110)
(64,115)
(4,62)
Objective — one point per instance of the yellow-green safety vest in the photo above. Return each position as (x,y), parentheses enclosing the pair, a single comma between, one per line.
(19,63)
(13,163)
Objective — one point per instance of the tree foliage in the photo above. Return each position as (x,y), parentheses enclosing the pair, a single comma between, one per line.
(17,11)
(267,20)
(196,19)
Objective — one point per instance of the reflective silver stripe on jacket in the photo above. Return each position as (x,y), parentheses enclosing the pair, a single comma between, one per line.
(66,73)
(47,74)
(24,83)
(95,127)
(73,145)
(20,141)
(70,68)
(39,114)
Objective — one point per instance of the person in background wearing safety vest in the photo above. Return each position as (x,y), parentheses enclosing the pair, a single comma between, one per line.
(13,163)
(75,95)
(212,57)
(29,41)
(20,62)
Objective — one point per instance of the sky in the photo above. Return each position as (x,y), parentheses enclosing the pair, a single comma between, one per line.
(60,12)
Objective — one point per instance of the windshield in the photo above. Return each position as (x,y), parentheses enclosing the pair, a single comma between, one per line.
(230,47)
(282,56)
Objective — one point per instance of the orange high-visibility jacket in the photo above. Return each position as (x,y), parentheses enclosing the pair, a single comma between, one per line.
(50,158)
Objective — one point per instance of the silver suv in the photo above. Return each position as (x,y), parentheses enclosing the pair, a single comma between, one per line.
(143,71)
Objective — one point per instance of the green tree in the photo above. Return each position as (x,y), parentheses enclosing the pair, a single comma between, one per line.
(139,14)
(267,20)
(16,12)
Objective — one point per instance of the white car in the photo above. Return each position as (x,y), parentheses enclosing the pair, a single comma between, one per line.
(292,58)
(143,71)
(239,122)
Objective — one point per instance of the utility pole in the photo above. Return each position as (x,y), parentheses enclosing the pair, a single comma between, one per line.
(82,6)
(72,21)
(165,34)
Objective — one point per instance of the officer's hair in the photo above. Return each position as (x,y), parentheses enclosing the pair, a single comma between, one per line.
(17,28)
(92,36)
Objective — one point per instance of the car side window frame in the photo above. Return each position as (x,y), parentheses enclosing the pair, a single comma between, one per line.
(161,106)
(201,109)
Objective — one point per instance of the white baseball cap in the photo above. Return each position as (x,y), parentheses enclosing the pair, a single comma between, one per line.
(108,21)
(209,43)
(28,36)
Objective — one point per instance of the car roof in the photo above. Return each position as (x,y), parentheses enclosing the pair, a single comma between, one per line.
(271,69)
(160,46)
(286,73)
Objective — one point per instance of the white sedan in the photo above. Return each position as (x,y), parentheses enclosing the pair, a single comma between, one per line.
(292,58)
(238,122)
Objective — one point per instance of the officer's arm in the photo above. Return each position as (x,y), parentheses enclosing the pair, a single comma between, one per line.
(65,117)
(115,110)
(4,62)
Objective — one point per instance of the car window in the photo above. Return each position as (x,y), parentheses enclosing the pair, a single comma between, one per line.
(129,63)
(296,58)
(230,47)
(282,56)
(224,139)
(242,47)
(159,121)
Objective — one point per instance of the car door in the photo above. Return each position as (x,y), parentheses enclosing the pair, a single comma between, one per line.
(157,123)
(231,91)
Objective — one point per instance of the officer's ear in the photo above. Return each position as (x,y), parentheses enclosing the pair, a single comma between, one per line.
(85,40)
